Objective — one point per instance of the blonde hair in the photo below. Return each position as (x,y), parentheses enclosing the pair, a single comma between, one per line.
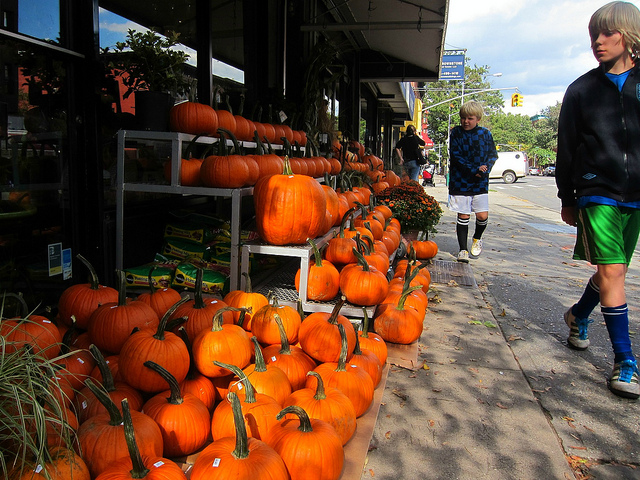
(623,17)
(472,108)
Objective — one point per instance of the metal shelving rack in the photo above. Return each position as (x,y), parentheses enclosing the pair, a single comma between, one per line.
(177,140)
(281,282)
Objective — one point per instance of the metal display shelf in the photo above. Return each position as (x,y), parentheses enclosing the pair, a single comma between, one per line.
(282,281)
(174,187)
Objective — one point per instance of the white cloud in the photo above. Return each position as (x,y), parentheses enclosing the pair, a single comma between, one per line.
(539,46)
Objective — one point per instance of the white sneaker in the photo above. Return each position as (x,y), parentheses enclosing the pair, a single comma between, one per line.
(463,256)
(476,247)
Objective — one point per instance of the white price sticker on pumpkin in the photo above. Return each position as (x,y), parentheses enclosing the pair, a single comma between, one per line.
(216,462)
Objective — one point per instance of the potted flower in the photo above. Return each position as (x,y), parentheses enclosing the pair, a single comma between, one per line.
(150,66)
(410,204)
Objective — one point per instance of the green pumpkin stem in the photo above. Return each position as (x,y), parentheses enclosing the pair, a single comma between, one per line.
(108,382)
(193,370)
(162,326)
(365,323)
(317,256)
(217,317)
(320,393)
(285,348)
(287,166)
(93,277)
(175,398)
(114,414)
(361,260)
(404,296)
(139,470)
(198,301)
(242,442)
(260,366)
(303,417)
(250,391)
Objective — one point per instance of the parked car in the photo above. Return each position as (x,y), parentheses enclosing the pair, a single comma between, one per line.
(550,171)
(534,171)
(510,166)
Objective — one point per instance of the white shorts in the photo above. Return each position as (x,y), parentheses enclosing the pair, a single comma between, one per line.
(466,204)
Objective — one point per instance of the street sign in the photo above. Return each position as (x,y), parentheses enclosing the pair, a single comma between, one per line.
(453,62)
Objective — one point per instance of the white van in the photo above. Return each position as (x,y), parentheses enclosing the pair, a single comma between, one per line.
(510,166)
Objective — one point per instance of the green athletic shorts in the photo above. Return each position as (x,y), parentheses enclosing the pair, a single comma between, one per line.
(607,234)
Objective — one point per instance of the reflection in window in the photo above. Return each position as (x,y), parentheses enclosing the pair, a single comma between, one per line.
(36,18)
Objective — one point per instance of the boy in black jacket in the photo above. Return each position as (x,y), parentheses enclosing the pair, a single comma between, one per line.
(598,179)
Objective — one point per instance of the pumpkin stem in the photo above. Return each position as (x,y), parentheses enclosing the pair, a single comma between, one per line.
(300,309)
(365,323)
(139,470)
(152,289)
(162,326)
(107,377)
(333,318)
(247,283)
(320,393)
(242,442)
(361,260)
(193,371)
(198,302)
(260,366)
(175,397)
(357,350)
(93,277)
(344,349)
(122,288)
(250,391)
(285,348)
(404,296)
(105,400)
(217,317)
(316,253)
(303,417)
(287,166)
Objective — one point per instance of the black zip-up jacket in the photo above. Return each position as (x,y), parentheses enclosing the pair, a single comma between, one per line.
(599,139)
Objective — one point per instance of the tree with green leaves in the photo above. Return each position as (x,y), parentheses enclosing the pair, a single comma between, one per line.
(442,100)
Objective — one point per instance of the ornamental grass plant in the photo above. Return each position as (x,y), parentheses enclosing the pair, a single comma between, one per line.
(29,408)
(410,204)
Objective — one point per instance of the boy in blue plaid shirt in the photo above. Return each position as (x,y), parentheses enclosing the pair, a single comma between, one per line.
(472,153)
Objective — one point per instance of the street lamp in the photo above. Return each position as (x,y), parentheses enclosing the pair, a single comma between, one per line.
(499,74)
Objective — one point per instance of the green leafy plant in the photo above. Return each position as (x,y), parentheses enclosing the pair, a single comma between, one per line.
(148,61)
(410,204)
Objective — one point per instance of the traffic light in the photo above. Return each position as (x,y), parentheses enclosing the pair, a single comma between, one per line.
(516,100)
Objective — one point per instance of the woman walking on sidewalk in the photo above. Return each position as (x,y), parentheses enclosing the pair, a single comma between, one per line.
(598,179)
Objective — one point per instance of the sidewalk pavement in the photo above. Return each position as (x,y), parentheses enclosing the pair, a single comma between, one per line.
(467,411)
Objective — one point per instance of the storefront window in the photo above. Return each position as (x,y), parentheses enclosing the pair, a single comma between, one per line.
(35,18)
(33,162)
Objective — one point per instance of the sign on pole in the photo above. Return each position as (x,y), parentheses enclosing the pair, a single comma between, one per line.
(453,62)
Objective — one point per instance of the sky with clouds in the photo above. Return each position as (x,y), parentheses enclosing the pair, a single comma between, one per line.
(539,46)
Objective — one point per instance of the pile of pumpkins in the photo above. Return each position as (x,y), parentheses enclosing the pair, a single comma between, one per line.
(243,381)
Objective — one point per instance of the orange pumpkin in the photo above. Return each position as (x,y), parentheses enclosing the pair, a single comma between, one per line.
(289,208)
(311,448)
(239,457)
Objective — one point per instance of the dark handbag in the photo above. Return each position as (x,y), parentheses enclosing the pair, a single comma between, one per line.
(421,158)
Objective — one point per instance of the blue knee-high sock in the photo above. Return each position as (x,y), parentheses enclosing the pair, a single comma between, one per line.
(589,300)
(617,321)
